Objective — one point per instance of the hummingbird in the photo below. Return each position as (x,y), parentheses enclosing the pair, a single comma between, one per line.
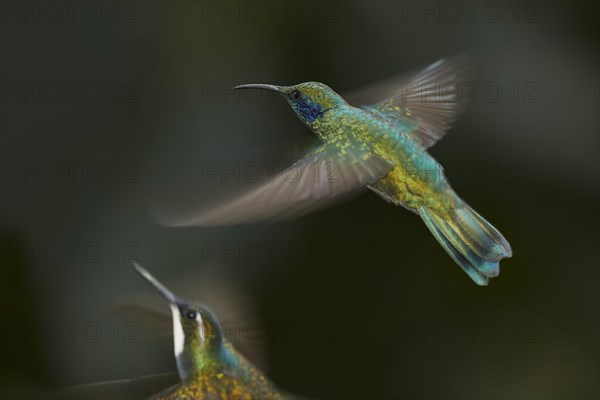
(208,365)
(382,147)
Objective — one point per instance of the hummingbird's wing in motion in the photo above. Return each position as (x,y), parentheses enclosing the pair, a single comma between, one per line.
(323,176)
(426,105)
(134,388)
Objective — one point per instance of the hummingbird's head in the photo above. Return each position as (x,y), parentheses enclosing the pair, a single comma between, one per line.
(310,100)
(196,331)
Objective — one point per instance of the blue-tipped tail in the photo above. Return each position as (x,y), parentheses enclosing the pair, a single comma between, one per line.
(472,242)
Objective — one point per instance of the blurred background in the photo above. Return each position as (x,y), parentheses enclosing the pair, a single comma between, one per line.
(101,100)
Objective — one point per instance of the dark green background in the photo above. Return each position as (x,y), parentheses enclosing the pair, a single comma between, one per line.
(376,309)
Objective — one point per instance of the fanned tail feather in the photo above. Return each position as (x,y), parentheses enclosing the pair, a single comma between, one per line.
(472,242)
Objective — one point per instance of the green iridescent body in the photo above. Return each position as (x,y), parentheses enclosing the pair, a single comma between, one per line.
(416,180)
(224,374)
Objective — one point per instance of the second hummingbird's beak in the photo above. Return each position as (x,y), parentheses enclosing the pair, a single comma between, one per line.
(272,88)
(167,294)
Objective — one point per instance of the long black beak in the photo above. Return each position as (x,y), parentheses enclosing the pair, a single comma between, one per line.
(167,294)
(260,86)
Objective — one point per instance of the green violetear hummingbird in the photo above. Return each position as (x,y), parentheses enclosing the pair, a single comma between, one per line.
(382,147)
(209,367)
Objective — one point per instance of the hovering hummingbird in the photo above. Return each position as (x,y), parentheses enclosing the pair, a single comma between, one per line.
(209,367)
(382,147)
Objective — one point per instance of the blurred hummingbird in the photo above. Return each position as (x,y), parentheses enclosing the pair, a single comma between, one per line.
(209,367)
(382,147)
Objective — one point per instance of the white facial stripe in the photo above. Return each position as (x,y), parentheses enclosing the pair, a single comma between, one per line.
(201,327)
(178,339)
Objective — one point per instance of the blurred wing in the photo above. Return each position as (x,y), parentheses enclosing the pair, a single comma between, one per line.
(427,105)
(136,388)
(323,176)
(150,313)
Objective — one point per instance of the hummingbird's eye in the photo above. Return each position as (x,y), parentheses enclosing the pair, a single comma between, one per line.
(191,314)
(296,95)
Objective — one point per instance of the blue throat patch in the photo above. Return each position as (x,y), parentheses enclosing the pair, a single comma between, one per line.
(310,111)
